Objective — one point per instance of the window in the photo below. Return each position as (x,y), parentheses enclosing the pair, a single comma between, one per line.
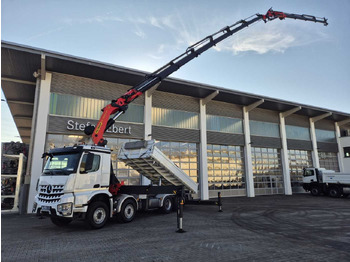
(224,124)
(329,160)
(184,155)
(309,173)
(258,128)
(95,163)
(58,162)
(346,151)
(62,164)
(174,118)
(298,132)
(225,167)
(298,160)
(89,108)
(325,136)
(267,171)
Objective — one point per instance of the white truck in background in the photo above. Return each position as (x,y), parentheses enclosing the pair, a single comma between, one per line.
(321,181)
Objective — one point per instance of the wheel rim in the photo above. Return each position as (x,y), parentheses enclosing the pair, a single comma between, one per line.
(314,191)
(129,211)
(167,204)
(333,193)
(99,215)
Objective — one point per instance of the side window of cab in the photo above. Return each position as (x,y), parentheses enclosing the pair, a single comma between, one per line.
(309,173)
(90,163)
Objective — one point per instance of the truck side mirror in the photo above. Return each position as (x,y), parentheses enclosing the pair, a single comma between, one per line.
(88,163)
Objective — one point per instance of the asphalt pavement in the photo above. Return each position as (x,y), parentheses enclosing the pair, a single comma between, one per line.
(266,228)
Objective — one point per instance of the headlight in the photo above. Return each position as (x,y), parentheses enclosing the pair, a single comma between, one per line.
(34,207)
(65,209)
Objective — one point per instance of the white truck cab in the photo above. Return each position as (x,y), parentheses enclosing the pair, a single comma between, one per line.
(321,181)
(78,183)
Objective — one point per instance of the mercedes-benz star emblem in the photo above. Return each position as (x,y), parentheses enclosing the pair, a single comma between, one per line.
(49,189)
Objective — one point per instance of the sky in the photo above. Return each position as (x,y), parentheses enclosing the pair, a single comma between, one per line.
(292,60)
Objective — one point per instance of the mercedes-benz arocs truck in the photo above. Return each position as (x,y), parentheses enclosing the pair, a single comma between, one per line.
(78,183)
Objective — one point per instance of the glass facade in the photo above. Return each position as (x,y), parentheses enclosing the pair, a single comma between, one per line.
(298,132)
(224,124)
(329,160)
(124,173)
(267,171)
(258,128)
(174,118)
(225,163)
(225,167)
(89,108)
(298,159)
(184,155)
(325,136)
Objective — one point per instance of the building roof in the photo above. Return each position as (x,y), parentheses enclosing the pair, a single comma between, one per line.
(19,62)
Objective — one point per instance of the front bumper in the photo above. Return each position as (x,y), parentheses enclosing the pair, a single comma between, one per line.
(47,208)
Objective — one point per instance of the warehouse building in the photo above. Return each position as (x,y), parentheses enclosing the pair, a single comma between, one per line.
(228,141)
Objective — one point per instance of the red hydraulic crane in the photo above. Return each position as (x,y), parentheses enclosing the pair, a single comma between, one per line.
(119,106)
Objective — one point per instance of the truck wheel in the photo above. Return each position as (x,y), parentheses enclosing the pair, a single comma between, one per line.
(315,191)
(334,192)
(60,221)
(167,205)
(97,215)
(345,195)
(127,212)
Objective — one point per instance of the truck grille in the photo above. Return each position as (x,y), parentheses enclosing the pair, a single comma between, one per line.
(50,193)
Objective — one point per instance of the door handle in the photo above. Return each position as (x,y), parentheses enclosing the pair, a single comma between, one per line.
(97,186)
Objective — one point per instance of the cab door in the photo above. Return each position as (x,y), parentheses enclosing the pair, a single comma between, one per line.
(89,173)
(309,176)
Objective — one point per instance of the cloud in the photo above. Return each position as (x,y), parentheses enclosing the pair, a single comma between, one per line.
(261,38)
(159,53)
(45,33)
(90,20)
(155,22)
(263,43)
(140,33)
(272,38)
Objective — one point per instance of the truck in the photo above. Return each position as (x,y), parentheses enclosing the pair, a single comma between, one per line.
(78,182)
(328,182)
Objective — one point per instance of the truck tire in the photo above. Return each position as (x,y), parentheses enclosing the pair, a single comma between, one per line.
(127,212)
(60,221)
(97,215)
(334,192)
(315,191)
(167,205)
(345,195)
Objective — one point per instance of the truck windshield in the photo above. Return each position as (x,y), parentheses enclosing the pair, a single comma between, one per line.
(62,164)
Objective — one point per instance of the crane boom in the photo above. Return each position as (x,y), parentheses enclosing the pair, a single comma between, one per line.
(119,106)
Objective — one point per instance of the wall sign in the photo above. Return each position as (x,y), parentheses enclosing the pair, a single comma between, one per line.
(74,125)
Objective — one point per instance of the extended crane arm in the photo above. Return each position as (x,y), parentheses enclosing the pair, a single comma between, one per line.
(119,106)
(271,15)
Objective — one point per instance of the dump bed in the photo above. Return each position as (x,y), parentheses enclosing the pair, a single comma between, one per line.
(149,161)
(339,178)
